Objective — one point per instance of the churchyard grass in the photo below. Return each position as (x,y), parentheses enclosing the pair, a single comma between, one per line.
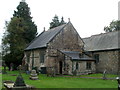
(99,75)
(63,82)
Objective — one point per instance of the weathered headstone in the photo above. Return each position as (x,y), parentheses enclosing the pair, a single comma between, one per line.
(4,70)
(33,75)
(75,72)
(11,66)
(37,71)
(104,75)
(118,79)
(19,81)
(51,71)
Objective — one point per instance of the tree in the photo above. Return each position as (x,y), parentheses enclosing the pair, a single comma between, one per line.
(14,41)
(55,22)
(23,11)
(114,26)
(20,31)
(62,21)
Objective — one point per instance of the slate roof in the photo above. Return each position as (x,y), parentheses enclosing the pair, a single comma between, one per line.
(104,41)
(45,37)
(74,55)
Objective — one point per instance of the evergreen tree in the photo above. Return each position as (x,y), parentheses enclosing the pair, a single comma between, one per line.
(20,31)
(14,42)
(62,21)
(23,11)
(55,22)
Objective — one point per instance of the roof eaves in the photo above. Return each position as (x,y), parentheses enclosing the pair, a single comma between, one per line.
(102,50)
(35,48)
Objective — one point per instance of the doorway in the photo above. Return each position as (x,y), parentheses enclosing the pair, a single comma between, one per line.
(60,67)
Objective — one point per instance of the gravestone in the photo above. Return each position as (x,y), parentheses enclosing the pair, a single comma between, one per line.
(36,69)
(51,71)
(11,66)
(75,72)
(19,81)
(33,75)
(118,79)
(4,70)
(104,75)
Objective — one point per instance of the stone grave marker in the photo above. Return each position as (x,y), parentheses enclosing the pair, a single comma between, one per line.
(104,75)
(33,75)
(19,83)
(51,71)
(118,80)
(75,72)
(4,70)
(11,66)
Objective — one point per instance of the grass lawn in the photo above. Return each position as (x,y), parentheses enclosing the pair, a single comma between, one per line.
(63,82)
(100,75)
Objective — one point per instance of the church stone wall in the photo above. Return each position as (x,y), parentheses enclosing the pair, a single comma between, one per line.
(109,61)
(33,58)
(82,67)
(68,40)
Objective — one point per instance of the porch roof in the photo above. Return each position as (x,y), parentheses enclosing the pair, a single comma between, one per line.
(75,55)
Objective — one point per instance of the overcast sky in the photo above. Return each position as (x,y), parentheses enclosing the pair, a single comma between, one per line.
(88,16)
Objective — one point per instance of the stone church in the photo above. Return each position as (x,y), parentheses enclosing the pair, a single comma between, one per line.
(105,48)
(62,50)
